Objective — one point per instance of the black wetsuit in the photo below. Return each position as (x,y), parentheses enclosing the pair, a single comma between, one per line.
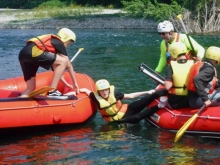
(31,57)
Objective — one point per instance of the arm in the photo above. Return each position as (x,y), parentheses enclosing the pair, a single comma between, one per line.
(162,62)
(137,94)
(168,79)
(205,75)
(168,85)
(61,50)
(72,74)
(85,90)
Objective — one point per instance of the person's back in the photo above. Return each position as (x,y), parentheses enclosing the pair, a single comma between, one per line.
(176,76)
(203,79)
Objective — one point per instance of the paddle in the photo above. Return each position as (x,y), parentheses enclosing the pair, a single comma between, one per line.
(190,121)
(184,27)
(80,49)
(40,91)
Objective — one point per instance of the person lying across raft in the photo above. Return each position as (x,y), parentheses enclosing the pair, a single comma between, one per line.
(108,101)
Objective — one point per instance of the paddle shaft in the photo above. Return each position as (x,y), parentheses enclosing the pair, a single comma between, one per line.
(161,77)
(184,27)
(143,68)
(77,53)
(153,76)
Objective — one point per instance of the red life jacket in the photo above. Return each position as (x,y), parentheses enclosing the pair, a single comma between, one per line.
(43,42)
(194,71)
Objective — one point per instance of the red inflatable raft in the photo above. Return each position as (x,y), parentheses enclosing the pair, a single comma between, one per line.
(40,111)
(207,123)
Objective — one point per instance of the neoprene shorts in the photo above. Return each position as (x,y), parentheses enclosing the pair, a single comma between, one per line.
(31,64)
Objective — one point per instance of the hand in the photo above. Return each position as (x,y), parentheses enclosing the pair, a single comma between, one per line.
(69,86)
(196,58)
(77,88)
(151,91)
(207,103)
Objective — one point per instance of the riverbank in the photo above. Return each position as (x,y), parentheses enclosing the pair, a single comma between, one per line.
(107,19)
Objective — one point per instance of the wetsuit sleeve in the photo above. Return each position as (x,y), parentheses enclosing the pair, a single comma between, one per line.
(169,73)
(59,46)
(162,62)
(200,51)
(93,98)
(205,75)
(119,95)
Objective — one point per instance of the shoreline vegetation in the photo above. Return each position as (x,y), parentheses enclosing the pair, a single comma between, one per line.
(82,18)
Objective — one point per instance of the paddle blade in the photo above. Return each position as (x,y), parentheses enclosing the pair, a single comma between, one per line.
(81,49)
(183,129)
(179,16)
(40,91)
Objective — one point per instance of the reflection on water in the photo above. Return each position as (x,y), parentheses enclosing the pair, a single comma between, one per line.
(114,55)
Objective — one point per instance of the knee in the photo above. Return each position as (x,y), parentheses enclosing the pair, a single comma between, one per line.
(64,61)
(61,61)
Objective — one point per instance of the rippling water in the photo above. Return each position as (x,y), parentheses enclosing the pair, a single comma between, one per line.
(114,55)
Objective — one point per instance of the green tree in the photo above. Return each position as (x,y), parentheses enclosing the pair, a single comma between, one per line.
(152,8)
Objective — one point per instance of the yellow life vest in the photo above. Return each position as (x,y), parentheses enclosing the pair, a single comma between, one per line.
(111,109)
(180,74)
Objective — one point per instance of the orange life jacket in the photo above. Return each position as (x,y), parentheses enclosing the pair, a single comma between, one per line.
(194,71)
(43,42)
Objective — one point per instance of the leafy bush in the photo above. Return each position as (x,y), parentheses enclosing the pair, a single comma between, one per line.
(52,4)
(147,8)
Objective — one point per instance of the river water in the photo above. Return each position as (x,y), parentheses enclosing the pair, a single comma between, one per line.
(113,55)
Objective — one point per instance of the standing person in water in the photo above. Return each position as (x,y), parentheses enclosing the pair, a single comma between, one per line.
(47,51)
(166,32)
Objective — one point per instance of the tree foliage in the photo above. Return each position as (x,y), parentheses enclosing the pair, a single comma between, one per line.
(202,16)
(29,4)
(152,8)
(199,15)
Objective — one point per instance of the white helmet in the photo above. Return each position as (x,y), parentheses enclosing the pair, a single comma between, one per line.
(165,26)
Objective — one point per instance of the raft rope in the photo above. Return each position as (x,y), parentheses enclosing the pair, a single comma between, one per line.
(89,82)
(72,104)
(182,115)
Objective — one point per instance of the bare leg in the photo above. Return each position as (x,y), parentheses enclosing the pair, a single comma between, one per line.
(31,85)
(61,64)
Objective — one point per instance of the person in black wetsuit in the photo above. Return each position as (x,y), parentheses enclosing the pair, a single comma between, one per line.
(47,51)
